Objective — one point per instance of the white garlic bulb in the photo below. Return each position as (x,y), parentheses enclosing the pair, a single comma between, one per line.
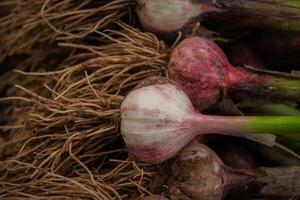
(153,119)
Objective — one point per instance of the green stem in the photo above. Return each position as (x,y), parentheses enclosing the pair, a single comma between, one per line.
(285,126)
(279,14)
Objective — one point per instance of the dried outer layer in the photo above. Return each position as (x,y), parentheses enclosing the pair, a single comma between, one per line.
(198,173)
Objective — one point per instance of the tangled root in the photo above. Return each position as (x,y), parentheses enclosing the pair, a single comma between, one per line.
(34,24)
(67,144)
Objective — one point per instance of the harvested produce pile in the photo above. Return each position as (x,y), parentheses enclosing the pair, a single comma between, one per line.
(98,102)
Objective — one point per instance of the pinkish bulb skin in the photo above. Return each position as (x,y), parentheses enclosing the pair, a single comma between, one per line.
(203,70)
(156,122)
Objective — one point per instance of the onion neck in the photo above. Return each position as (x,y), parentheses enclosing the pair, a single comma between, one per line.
(220,124)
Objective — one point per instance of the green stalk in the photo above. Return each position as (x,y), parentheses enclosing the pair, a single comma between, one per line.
(279,14)
(280,110)
(285,126)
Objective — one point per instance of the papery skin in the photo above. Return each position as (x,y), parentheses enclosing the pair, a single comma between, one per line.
(164,131)
(198,173)
(168,16)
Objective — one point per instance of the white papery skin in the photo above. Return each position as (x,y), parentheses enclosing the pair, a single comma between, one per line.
(156,122)
(167,15)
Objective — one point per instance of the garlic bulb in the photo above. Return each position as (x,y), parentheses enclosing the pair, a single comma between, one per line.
(198,173)
(211,182)
(157,121)
(167,15)
(153,122)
